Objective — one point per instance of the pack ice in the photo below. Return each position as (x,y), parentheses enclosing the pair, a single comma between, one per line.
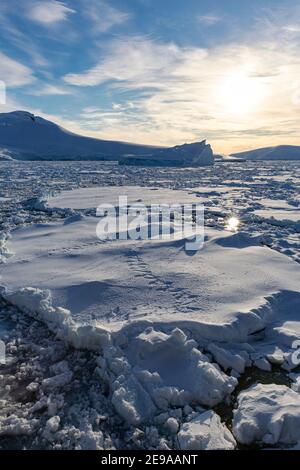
(172,329)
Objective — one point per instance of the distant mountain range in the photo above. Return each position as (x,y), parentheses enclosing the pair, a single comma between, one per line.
(24,136)
(281,152)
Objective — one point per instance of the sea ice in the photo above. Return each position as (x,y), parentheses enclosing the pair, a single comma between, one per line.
(171,332)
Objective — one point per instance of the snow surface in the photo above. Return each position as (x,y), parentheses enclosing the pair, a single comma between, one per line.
(91,198)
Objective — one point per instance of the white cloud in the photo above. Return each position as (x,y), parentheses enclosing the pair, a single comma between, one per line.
(16,37)
(209,20)
(228,94)
(49,12)
(50,90)
(13,73)
(103,15)
(291,29)
(134,60)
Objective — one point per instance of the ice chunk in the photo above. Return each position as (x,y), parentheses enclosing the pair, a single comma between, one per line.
(52,425)
(268,414)
(206,432)
(226,359)
(57,381)
(131,401)
(160,371)
(262,364)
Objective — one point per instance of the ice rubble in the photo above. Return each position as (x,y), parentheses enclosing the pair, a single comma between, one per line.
(205,431)
(156,371)
(15,426)
(37,303)
(147,373)
(269,414)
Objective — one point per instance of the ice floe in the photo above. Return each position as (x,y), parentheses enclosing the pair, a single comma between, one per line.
(269,414)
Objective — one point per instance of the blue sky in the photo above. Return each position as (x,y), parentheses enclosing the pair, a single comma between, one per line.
(157,71)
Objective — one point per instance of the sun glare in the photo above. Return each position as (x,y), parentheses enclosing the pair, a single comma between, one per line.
(239,93)
(232,224)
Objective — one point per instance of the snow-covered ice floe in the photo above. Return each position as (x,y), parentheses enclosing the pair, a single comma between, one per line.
(269,414)
(91,198)
(172,329)
(227,291)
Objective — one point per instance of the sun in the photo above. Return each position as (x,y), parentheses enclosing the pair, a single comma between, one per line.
(232,224)
(239,93)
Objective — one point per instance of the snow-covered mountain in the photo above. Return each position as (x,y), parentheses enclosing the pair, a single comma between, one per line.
(24,136)
(281,152)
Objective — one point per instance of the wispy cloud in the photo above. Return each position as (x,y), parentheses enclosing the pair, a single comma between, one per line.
(134,60)
(103,16)
(209,19)
(13,73)
(23,41)
(49,90)
(48,12)
(291,28)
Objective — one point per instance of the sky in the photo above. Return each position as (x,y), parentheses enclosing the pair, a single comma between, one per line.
(160,72)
